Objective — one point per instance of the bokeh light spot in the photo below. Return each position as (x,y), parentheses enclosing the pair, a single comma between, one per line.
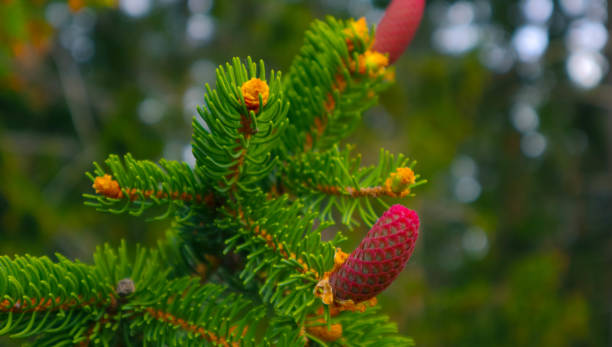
(200,28)
(151,111)
(467,189)
(586,34)
(586,69)
(573,7)
(191,99)
(456,39)
(538,11)
(533,144)
(464,165)
(135,8)
(203,71)
(475,242)
(530,42)
(82,49)
(461,12)
(524,118)
(200,6)
(57,13)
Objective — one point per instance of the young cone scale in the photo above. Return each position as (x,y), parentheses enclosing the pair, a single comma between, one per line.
(397,27)
(380,257)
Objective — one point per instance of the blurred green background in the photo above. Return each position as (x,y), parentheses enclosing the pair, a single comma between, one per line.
(506,105)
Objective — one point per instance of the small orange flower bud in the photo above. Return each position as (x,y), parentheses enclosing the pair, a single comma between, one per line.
(251,90)
(374,61)
(107,186)
(399,181)
(357,28)
(339,257)
(321,331)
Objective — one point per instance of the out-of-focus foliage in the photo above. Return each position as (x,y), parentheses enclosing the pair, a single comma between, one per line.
(27,33)
(516,144)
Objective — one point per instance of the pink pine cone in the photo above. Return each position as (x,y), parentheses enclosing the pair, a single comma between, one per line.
(380,257)
(397,27)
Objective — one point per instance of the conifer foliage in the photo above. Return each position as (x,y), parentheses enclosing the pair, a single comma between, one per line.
(243,261)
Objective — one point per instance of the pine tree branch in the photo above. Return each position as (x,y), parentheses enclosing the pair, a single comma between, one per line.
(244,119)
(334,180)
(369,328)
(137,185)
(40,296)
(70,302)
(331,82)
(283,331)
(192,247)
(203,312)
(197,330)
(220,212)
(285,253)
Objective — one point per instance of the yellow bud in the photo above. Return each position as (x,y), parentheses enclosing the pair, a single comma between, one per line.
(399,181)
(107,186)
(252,89)
(356,29)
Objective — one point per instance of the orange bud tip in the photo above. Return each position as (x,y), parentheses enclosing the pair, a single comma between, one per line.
(322,332)
(107,186)
(252,89)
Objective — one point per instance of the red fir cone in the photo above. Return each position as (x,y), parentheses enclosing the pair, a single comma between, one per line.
(397,27)
(380,257)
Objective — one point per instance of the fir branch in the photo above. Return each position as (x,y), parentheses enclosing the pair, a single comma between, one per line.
(137,185)
(180,310)
(42,297)
(220,212)
(243,121)
(72,303)
(283,331)
(364,326)
(204,313)
(334,180)
(334,78)
(285,252)
(369,328)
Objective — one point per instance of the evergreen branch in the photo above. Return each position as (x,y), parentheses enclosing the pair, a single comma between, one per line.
(168,311)
(353,325)
(186,250)
(334,78)
(73,303)
(176,253)
(245,129)
(243,122)
(283,331)
(194,247)
(358,327)
(284,252)
(204,313)
(334,180)
(42,297)
(369,328)
(136,185)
